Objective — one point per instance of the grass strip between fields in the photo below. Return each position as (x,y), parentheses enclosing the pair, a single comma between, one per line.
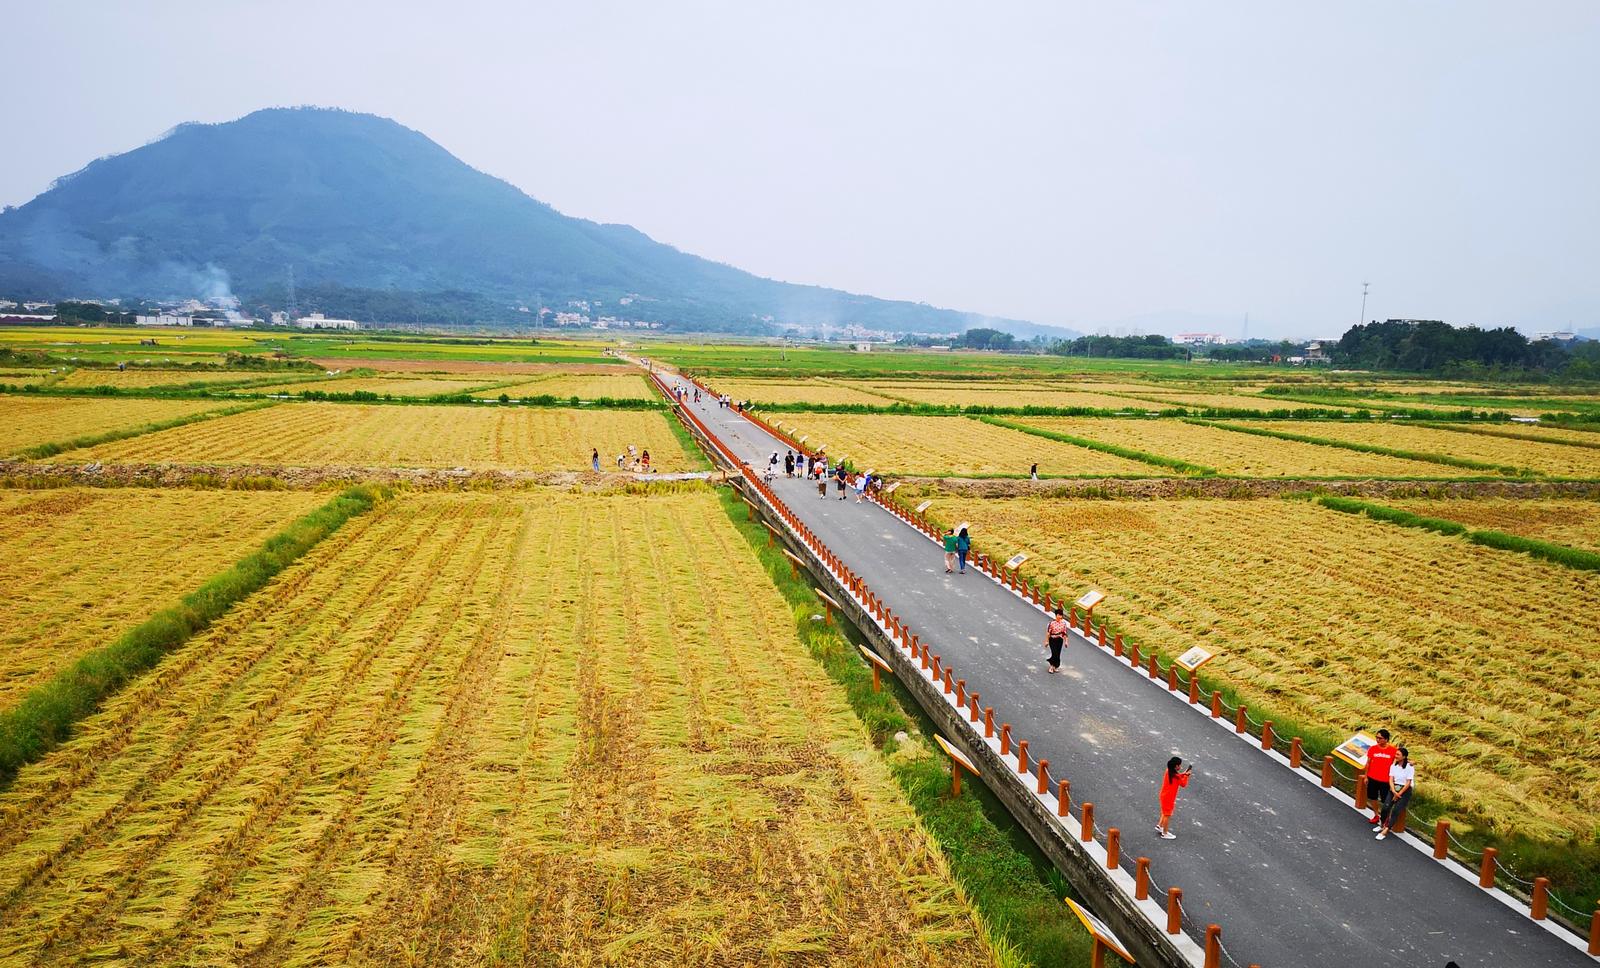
(1127,452)
(1019,905)
(1431,458)
(40,451)
(1573,866)
(1512,435)
(45,716)
(1560,554)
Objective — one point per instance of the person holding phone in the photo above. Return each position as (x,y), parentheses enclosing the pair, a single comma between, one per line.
(1172,781)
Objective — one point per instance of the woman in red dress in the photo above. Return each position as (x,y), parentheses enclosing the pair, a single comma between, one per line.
(1172,781)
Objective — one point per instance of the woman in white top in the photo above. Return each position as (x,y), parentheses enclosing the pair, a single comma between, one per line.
(1402,780)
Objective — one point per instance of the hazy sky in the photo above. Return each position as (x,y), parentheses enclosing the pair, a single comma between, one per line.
(1106,164)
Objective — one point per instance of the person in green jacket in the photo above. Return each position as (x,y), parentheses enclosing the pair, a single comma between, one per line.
(949,550)
(963,548)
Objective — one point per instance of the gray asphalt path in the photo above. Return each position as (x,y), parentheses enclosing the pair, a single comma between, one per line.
(1293,876)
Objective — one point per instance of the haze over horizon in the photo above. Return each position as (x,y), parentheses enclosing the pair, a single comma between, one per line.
(1154,167)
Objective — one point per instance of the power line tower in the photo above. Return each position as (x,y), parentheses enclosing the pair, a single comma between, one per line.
(294,310)
(1363,317)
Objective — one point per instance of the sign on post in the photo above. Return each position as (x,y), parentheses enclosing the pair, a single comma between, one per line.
(891,487)
(795,564)
(878,666)
(925,505)
(1354,749)
(1104,938)
(963,526)
(1015,561)
(1090,599)
(1193,659)
(828,604)
(958,762)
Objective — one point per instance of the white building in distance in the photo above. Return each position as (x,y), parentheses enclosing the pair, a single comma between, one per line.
(319,321)
(1199,339)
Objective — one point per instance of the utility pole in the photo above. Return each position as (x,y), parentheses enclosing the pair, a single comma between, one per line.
(294,311)
(1363,317)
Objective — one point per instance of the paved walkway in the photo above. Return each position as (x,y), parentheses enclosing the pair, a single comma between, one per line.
(1294,876)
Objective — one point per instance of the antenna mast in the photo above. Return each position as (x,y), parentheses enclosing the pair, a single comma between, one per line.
(294,310)
(1363,317)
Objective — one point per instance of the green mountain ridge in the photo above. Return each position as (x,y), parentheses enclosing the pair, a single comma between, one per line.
(378,219)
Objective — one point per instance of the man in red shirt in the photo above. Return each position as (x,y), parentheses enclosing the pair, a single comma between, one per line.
(1380,759)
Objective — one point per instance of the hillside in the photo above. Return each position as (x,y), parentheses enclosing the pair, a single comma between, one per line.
(378,221)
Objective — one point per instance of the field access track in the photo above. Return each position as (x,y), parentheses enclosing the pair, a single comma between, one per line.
(1292,874)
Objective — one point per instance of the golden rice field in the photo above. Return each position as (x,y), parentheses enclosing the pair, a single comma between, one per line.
(141,379)
(584,386)
(1338,620)
(370,435)
(799,391)
(1568,521)
(1546,433)
(949,446)
(1228,401)
(390,386)
(78,567)
(970,394)
(1243,454)
(27,421)
(484,729)
(1558,460)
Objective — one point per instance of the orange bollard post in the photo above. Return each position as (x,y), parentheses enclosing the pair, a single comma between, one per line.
(1141,879)
(1194,689)
(1216,704)
(1398,825)
(1266,735)
(949,686)
(961,692)
(924,658)
(1102,635)
(1213,946)
(1486,870)
(1327,772)
(1088,626)
(1117,646)
(973,701)
(1594,933)
(1087,833)
(1005,739)
(1133,655)
(1022,757)
(1172,677)
(1155,670)
(1072,619)
(1540,908)
(1063,797)
(1361,789)
(1295,752)
(1238,719)
(1174,910)
(1113,849)
(914,649)
(1044,777)
(988,721)
(938,672)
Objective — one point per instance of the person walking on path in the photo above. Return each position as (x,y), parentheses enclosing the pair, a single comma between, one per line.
(1033,473)
(594,460)
(1402,779)
(1055,639)
(861,488)
(949,550)
(839,477)
(963,548)
(1380,760)
(788,463)
(1172,781)
(644,461)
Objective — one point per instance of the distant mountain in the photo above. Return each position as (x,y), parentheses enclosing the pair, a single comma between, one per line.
(379,222)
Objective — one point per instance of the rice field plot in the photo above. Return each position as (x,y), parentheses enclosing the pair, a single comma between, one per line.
(475,728)
(373,435)
(141,379)
(1568,521)
(1557,460)
(383,386)
(80,566)
(950,447)
(1230,401)
(1242,454)
(1481,660)
(584,386)
(27,421)
(971,394)
(800,391)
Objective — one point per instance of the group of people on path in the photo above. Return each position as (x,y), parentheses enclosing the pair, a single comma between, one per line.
(630,460)
(956,549)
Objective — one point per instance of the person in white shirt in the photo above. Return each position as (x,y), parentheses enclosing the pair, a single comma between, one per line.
(1402,780)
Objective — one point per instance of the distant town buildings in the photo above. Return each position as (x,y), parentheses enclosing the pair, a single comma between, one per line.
(163,319)
(1199,339)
